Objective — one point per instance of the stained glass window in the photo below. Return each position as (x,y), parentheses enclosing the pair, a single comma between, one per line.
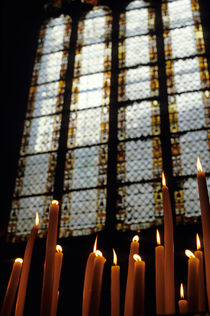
(189,100)
(85,179)
(110,85)
(34,183)
(139,158)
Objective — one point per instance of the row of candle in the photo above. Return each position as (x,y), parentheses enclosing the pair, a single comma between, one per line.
(134,296)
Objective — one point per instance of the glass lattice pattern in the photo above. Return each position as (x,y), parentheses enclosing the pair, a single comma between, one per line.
(85,179)
(139,155)
(189,100)
(34,183)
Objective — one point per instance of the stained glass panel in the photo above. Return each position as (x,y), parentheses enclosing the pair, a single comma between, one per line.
(189,102)
(139,155)
(34,183)
(85,179)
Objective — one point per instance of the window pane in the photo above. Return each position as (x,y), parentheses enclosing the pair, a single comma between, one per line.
(38,156)
(85,180)
(188,112)
(139,155)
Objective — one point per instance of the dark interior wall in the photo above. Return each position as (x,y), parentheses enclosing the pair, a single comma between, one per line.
(20,29)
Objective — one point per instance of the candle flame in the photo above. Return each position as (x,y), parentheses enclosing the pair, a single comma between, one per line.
(95,244)
(19,260)
(98,253)
(114,257)
(181,290)
(135,238)
(189,254)
(55,202)
(198,242)
(199,165)
(163,179)
(158,237)
(37,219)
(59,248)
(136,257)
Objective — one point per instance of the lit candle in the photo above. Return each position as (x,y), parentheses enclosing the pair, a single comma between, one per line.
(115,287)
(95,297)
(201,284)
(159,275)
(138,286)
(88,280)
(205,219)
(134,249)
(169,251)
(183,304)
(56,279)
(49,259)
(192,281)
(12,286)
(25,269)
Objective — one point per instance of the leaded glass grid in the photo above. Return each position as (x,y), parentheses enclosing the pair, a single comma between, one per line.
(189,100)
(139,155)
(85,179)
(34,183)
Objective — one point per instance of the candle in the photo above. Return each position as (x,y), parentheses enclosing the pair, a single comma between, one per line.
(49,259)
(88,280)
(201,284)
(205,219)
(56,279)
(138,286)
(25,269)
(134,249)
(192,281)
(115,287)
(169,251)
(183,304)
(95,297)
(159,275)
(12,286)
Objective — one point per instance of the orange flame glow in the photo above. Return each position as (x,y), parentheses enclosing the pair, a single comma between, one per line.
(158,237)
(59,248)
(163,179)
(114,257)
(181,290)
(198,242)
(95,244)
(55,202)
(189,254)
(98,253)
(135,238)
(199,165)
(19,260)
(37,219)
(136,257)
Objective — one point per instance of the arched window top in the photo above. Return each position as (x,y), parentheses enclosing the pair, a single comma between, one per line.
(97,12)
(96,26)
(62,19)
(137,4)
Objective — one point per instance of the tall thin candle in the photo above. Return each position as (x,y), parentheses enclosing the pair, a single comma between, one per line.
(95,298)
(138,286)
(25,269)
(12,286)
(192,281)
(183,304)
(88,280)
(115,287)
(205,219)
(169,251)
(49,259)
(134,249)
(159,275)
(201,284)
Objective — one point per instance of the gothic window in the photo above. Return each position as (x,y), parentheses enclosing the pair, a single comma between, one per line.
(88,67)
